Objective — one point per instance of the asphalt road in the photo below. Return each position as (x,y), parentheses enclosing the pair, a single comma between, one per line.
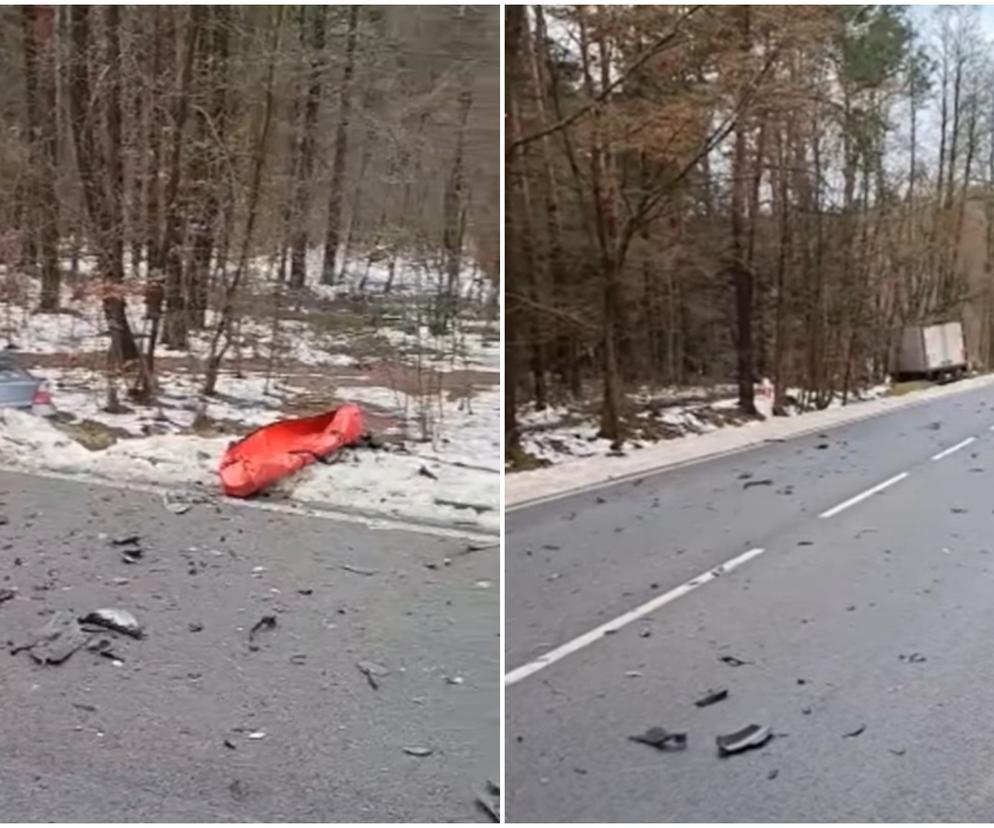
(878,615)
(91,741)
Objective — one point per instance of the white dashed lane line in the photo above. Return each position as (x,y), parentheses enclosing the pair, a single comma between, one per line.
(951,449)
(627,618)
(585,640)
(852,501)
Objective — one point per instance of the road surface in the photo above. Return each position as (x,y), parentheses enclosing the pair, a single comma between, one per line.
(860,592)
(308,738)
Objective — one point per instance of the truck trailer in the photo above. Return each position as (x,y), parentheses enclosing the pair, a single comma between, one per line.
(934,352)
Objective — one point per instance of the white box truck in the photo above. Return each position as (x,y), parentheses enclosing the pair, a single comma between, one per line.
(932,352)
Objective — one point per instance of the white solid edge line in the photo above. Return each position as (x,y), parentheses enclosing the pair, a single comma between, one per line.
(586,639)
(951,449)
(897,478)
(369,521)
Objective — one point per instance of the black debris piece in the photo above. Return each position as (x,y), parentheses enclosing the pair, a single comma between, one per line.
(298,658)
(418,751)
(358,570)
(914,658)
(956,510)
(89,708)
(369,441)
(750,483)
(600,499)
(821,446)
(267,622)
(117,620)
(745,475)
(127,540)
(645,633)
(773,774)
(372,671)
(934,426)
(712,697)
(424,471)
(897,751)
(732,661)
(133,555)
(805,543)
(195,626)
(306,591)
(102,647)
(229,744)
(661,739)
(488,800)
(852,734)
(6,595)
(751,736)
(806,711)
(802,681)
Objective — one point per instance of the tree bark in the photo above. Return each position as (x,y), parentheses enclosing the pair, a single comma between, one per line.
(332,237)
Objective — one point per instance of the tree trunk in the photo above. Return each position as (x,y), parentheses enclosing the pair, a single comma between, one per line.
(176,330)
(122,347)
(337,185)
(305,164)
(39,74)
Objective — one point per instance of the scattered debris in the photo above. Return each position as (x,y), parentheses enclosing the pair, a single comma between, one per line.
(956,510)
(821,446)
(914,658)
(195,626)
(357,570)
(661,739)
(418,751)
(424,471)
(645,633)
(852,734)
(751,736)
(897,751)
(6,595)
(774,772)
(229,744)
(174,504)
(372,671)
(489,800)
(712,697)
(805,543)
(89,708)
(257,734)
(298,658)
(732,661)
(117,620)
(600,500)
(806,711)
(267,622)
(102,647)
(306,591)
(454,680)
(632,674)
(749,484)
(127,540)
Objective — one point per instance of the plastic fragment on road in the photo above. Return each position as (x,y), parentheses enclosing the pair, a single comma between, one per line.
(55,641)
(117,620)
(418,751)
(285,447)
(712,697)
(751,736)
(852,734)
(661,739)
(372,671)
(732,661)
(488,800)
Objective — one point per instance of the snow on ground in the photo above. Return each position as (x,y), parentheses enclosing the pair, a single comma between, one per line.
(462,456)
(166,444)
(578,472)
(561,434)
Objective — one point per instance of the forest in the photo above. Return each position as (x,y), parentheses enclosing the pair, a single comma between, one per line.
(190,166)
(700,196)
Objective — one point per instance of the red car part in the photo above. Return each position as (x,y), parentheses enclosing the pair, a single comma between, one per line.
(284,448)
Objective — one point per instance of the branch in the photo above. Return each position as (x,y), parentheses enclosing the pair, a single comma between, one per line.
(659,46)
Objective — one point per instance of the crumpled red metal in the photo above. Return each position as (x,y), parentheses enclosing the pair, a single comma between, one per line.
(285,447)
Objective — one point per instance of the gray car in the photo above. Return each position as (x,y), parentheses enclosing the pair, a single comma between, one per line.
(21,389)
